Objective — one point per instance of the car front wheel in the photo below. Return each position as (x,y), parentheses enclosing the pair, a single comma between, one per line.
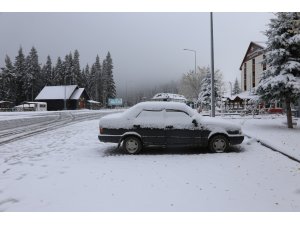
(218,144)
(132,145)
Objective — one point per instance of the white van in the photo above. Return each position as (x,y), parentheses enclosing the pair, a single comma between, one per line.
(32,106)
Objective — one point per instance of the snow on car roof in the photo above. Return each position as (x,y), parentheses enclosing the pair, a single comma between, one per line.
(153,105)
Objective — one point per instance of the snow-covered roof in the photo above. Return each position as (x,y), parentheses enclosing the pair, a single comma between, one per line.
(254,47)
(77,93)
(260,43)
(92,101)
(56,92)
(243,95)
(5,102)
(34,102)
(169,96)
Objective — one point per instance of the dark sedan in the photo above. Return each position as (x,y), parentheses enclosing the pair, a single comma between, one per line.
(167,124)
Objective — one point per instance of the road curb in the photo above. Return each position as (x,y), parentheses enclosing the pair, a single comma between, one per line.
(274,149)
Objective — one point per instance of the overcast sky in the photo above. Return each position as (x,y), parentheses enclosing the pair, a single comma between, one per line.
(146,48)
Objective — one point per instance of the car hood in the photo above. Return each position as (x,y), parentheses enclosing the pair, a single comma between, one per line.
(214,123)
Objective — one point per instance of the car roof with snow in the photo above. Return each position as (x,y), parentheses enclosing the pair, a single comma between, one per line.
(154,105)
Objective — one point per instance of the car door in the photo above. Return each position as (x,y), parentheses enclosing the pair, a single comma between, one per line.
(180,130)
(151,126)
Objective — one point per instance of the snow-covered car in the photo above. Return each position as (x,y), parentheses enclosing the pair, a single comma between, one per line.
(167,124)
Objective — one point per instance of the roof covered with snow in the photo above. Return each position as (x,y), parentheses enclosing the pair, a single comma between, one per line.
(77,93)
(254,47)
(5,102)
(57,92)
(243,95)
(93,102)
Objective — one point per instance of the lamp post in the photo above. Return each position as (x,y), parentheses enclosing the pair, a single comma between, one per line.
(65,81)
(65,100)
(212,67)
(195,52)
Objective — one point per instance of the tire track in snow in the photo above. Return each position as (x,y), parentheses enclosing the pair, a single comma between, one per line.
(64,119)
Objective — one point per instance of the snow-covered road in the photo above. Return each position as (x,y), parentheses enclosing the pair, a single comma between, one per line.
(16,126)
(68,169)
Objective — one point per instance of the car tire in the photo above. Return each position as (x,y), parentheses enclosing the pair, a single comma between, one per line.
(218,144)
(132,145)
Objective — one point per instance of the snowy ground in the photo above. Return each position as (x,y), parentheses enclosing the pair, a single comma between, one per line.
(273,131)
(68,169)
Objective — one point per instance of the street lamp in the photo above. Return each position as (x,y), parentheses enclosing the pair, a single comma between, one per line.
(212,67)
(195,52)
(65,99)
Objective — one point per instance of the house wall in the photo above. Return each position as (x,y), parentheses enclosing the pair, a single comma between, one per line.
(257,67)
(54,105)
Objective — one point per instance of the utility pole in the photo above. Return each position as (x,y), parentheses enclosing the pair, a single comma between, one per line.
(212,67)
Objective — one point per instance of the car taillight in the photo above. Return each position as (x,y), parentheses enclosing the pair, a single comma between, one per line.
(101,130)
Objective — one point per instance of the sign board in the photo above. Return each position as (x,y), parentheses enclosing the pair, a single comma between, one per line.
(115,101)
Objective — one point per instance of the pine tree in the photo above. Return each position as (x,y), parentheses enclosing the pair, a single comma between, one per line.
(236,87)
(204,98)
(83,80)
(20,70)
(58,73)
(281,80)
(67,68)
(98,79)
(109,88)
(32,82)
(76,69)
(92,82)
(47,74)
(88,81)
(8,81)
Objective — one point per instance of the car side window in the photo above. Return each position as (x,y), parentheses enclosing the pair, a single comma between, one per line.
(178,119)
(150,119)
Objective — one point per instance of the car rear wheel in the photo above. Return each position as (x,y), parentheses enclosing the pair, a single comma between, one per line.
(132,145)
(218,144)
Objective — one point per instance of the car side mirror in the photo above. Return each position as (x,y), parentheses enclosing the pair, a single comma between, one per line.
(195,122)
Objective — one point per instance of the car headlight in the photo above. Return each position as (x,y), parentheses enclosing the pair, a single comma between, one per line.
(234,131)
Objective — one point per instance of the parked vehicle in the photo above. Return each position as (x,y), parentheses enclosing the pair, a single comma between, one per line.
(32,106)
(167,124)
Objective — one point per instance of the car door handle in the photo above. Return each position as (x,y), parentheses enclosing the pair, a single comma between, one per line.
(137,126)
(169,127)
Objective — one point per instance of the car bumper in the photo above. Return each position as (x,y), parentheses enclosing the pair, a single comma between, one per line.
(236,140)
(109,138)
